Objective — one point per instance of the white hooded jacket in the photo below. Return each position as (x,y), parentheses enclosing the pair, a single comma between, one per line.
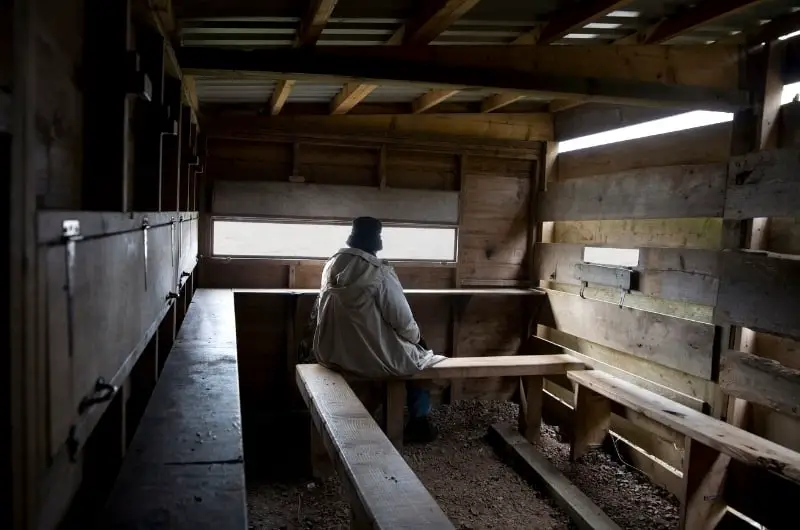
(364,324)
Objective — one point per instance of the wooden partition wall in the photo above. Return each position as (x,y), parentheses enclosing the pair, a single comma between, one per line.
(713,322)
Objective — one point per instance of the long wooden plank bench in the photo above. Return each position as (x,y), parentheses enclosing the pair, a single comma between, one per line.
(185,466)
(531,368)
(384,492)
(710,444)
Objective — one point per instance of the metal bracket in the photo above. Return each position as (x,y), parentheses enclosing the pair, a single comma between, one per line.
(145,230)
(583,288)
(71,234)
(623,292)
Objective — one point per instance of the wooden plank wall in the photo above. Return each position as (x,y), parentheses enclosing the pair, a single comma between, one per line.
(493,201)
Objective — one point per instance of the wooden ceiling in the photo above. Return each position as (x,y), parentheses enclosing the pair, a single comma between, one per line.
(463,56)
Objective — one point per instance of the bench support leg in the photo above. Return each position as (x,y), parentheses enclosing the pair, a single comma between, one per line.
(321,465)
(704,472)
(530,407)
(591,422)
(395,401)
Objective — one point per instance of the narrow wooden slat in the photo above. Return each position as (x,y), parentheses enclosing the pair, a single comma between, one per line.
(759,291)
(704,473)
(435,18)
(499,101)
(720,436)
(591,421)
(570,18)
(536,468)
(760,380)
(279,96)
(500,366)
(315,20)
(687,275)
(378,480)
(350,96)
(431,99)
(682,344)
(652,193)
(764,184)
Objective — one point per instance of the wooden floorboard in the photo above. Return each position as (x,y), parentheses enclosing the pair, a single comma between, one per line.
(185,466)
(536,468)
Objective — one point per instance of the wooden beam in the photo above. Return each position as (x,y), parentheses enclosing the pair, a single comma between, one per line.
(771,31)
(704,13)
(350,96)
(761,380)
(499,101)
(564,104)
(431,99)
(591,422)
(493,68)
(763,184)
(704,472)
(569,19)
(279,96)
(315,20)
(536,468)
(163,10)
(434,19)
(652,193)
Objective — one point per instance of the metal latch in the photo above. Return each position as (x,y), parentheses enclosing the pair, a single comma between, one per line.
(70,234)
(103,392)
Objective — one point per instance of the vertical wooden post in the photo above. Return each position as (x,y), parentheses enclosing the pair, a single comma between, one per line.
(458,304)
(321,464)
(185,158)
(704,472)
(530,418)
(166,335)
(592,418)
(395,401)
(170,160)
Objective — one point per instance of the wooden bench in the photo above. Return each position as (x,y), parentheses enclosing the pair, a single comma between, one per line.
(185,465)
(710,444)
(531,368)
(384,492)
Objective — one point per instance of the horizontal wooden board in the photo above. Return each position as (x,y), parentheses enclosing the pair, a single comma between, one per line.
(310,201)
(674,342)
(759,291)
(592,118)
(681,274)
(652,193)
(724,437)
(500,366)
(761,380)
(703,145)
(685,233)
(764,184)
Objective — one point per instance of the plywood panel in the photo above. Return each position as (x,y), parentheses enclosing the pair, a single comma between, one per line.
(652,193)
(241,273)
(681,344)
(685,233)
(323,164)
(704,145)
(759,291)
(310,201)
(688,275)
(421,170)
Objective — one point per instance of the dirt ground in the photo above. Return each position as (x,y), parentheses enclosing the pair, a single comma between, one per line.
(474,488)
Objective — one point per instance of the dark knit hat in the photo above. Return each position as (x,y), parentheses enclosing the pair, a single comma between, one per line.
(366,234)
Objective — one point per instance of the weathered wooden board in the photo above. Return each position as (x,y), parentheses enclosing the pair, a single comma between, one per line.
(653,193)
(311,201)
(724,437)
(761,380)
(759,291)
(703,145)
(379,483)
(688,275)
(764,184)
(684,233)
(593,118)
(677,343)
(535,467)
(421,170)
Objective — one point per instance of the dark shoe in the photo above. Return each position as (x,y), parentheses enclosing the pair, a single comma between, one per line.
(420,430)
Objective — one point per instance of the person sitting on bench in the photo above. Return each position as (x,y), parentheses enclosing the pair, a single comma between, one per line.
(365,326)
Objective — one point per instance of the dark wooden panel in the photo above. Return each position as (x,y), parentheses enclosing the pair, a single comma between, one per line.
(790,125)
(681,344)
(761,381)
(186,462)
(653,193)
(764,184)
(759,291)
(687,275)
(592,118)
(763,496)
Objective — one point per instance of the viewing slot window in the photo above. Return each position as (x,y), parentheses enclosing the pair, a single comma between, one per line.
(293,240)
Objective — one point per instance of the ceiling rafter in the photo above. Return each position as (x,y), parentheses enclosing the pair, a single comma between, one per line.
(279,95)
(350,96)
(499,101)
(567,20)
(315,20)
(431,99)
(670,27)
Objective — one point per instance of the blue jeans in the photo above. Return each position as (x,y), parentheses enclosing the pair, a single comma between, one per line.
(418,400)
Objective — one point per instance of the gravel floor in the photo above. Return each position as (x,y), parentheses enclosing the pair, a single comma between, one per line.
(473,487)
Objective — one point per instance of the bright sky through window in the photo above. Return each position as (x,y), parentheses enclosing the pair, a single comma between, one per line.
(321,241)
(679,122)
